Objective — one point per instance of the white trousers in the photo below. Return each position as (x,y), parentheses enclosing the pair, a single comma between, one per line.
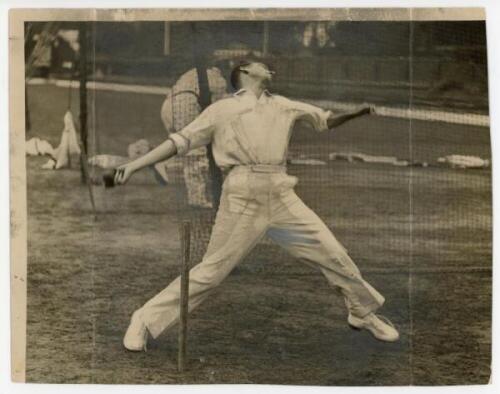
(255,203)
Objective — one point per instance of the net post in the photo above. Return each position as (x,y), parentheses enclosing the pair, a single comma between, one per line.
(82,34)
(84,170)
(184,295)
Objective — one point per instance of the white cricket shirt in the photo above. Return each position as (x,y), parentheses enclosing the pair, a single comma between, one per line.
(246,130)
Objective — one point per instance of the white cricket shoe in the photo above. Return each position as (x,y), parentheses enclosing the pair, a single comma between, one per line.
(136,337)
(379,326)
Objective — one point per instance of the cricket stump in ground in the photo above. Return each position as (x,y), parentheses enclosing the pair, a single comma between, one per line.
(183,310)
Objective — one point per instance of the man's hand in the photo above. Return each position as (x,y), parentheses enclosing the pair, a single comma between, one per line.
(123,174)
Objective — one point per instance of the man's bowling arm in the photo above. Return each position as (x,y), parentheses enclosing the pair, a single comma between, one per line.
(335,120)
(164,151)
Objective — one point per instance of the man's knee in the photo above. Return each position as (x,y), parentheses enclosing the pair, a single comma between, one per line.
(208,275)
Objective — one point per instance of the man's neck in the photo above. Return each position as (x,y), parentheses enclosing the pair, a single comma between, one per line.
(257,88)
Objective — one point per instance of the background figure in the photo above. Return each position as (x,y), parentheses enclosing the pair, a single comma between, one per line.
(43,54)
(181,107)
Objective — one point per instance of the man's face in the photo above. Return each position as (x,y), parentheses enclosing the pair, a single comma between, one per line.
(258,71)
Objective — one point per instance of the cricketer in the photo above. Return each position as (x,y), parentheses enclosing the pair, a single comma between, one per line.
(249,133)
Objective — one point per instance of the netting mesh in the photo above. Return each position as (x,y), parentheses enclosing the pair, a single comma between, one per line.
(418,227)
(421,76)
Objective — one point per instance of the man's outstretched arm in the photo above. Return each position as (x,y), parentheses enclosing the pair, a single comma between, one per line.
(323,120)
(335,120)
(162,152)
(196,134)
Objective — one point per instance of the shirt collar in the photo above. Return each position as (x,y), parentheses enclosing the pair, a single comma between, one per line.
(242,91)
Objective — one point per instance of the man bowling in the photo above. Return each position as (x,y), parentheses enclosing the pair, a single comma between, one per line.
(249,133)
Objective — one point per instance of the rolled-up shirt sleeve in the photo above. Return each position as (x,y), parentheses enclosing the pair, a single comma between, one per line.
(315,116)
(196,134)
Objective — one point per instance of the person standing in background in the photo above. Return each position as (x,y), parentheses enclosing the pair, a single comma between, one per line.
(181,106)
(194,91)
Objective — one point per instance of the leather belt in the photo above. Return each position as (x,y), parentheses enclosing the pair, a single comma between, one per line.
(261,168)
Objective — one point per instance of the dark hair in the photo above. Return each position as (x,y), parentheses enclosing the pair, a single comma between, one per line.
(235,74)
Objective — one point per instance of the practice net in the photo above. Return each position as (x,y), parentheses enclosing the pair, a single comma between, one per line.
(373,181)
